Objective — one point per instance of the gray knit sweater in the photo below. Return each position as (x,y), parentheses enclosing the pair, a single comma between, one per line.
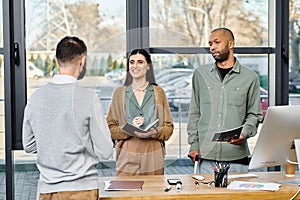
(65,125)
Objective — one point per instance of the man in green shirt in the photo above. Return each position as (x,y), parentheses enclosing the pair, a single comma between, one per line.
(225,95)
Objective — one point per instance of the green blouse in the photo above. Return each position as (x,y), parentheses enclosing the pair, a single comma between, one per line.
(146,110)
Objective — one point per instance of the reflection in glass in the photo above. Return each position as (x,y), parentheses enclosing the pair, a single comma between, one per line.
(100,23)
(188,23)
(102,29)
(259,64)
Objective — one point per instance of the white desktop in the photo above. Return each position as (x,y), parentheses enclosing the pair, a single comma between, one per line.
(274,145)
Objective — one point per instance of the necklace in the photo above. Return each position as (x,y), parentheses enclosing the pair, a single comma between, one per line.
(141,89)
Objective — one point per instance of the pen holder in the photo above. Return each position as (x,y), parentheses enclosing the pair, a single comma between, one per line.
(221,178)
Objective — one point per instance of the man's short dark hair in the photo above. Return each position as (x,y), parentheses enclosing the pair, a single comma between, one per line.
(69,48)
(225,30)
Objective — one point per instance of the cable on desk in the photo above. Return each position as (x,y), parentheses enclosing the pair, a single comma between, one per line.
(293,197)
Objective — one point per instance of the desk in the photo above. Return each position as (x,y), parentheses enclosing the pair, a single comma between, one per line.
(154,186)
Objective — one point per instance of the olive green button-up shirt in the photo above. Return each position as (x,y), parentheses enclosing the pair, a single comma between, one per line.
(218,105)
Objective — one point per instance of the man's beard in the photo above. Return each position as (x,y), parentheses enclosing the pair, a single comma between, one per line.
(82,73)
(223,55)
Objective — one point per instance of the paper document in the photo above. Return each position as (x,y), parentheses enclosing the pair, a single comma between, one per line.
(129,128)
(245,185)
(225,136)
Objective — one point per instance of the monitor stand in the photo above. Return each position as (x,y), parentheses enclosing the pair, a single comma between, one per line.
(297,149)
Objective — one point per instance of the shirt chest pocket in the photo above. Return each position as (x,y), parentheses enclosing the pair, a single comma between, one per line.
(236,96)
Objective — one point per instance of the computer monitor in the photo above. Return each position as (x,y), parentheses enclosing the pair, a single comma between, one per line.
(274,144)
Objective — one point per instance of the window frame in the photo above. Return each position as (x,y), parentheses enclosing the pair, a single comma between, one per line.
(137,36)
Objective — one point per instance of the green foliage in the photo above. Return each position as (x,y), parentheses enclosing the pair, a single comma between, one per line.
(31,59)
(54,67)
(102,66)
(121,65)
(264,81)
(109,63)
(115,65)
(94,67)
(39,63)
(48,66)
(88,67)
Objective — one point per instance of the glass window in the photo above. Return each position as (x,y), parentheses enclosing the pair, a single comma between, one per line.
(102,26)
(180,24)
(100,23)
(188,23)
(259,64)
(103,30)
(294,59)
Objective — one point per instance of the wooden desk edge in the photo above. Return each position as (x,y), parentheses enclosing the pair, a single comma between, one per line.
(154,186)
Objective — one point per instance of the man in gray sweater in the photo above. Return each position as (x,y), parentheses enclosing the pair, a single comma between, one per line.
(65,125)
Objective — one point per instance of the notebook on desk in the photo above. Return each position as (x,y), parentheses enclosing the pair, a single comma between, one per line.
(115,185)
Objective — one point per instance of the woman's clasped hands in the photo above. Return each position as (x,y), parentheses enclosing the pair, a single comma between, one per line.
(150,134)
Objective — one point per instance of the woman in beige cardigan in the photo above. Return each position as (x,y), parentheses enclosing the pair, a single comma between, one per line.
(139,102)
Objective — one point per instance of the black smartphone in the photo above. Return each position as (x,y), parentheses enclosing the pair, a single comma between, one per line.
(173,181)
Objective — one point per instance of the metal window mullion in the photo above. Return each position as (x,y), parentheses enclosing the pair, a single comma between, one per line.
(7,37)
(282,53)
(205,50)
(137,24)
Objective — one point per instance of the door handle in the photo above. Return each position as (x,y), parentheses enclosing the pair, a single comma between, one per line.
(16,54)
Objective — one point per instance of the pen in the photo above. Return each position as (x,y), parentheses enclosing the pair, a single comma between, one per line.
(168,188)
